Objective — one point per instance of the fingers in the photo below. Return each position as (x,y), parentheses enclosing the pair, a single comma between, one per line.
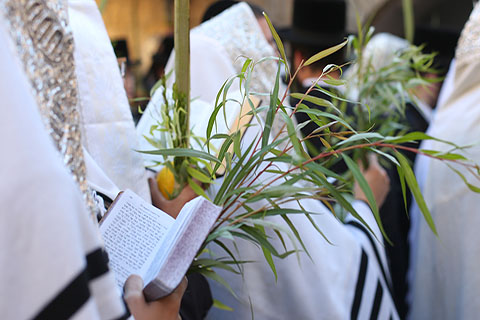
(157,197)
(187,194)
(133,293)
(377,179)
(373,160)
(154,188)
(180,290)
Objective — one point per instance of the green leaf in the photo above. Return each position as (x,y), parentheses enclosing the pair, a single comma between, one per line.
(268,256)
(271,110)
(237,138)
(415,189)
(296,233)
(198,189)
(416,136)
(157,85)
(278,42)
(324,53)
(214,276)
(445,156)
(315,100)
(469,185)
(361,136)
(245,66)
(197,174)
(304,109)
(362,182)
(183,152)
(139,99)
(342,201)
(293,135)
(211,263)
(230,175)
(211,121)
(335,82)
(260,238)
(219,305)
(401,176)
(386,155)
(332,95)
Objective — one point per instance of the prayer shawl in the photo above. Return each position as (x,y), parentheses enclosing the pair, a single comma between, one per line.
(108,132)
(445,283)
(52,264)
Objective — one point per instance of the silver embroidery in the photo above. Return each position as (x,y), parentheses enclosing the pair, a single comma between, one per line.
(44,43)
(468,48)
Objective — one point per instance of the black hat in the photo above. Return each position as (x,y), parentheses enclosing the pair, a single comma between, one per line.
(440,40)
(120,47)
(318,23)
(217,8)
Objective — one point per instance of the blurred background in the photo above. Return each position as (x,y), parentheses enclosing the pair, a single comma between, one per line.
(140,29)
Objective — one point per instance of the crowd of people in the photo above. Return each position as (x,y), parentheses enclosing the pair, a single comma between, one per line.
(69,144)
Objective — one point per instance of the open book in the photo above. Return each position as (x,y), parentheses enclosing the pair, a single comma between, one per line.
(141,239)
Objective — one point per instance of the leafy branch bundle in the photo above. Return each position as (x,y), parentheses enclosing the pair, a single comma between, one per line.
(269,175)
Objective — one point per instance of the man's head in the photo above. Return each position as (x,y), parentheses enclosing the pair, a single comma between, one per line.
(317,25)
(443,42)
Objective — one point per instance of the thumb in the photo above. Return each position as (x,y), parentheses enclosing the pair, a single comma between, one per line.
(133,293)
(373,159)
(157,196)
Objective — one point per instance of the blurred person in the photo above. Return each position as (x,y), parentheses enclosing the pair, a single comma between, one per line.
(308,35)
(443,277)
(108,133)
(442,42)
(52,262)
(159,62)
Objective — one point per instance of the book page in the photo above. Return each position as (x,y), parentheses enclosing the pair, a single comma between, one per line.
(133,232)
(178,250)
(170,239)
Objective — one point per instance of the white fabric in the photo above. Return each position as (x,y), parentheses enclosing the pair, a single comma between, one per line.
(108,129)
(45,232)
(97,179)
(207,71)
(445,283)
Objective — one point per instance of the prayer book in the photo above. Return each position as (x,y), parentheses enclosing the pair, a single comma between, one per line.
(142,239)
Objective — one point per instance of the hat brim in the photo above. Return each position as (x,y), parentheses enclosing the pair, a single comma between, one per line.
(311,39)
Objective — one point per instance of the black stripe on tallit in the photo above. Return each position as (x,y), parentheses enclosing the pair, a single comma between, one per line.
(69,300)
(377,301)
(97,263)
(375,250)
(362,273)
(77,292)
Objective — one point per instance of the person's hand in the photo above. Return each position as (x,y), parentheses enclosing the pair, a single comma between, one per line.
(172,207)
(166,308)
(377,179)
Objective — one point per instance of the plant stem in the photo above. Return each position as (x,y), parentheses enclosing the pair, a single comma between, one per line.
(182,64)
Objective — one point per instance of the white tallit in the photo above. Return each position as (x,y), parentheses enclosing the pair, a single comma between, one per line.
(108,131)
(51,261)
(445,283)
